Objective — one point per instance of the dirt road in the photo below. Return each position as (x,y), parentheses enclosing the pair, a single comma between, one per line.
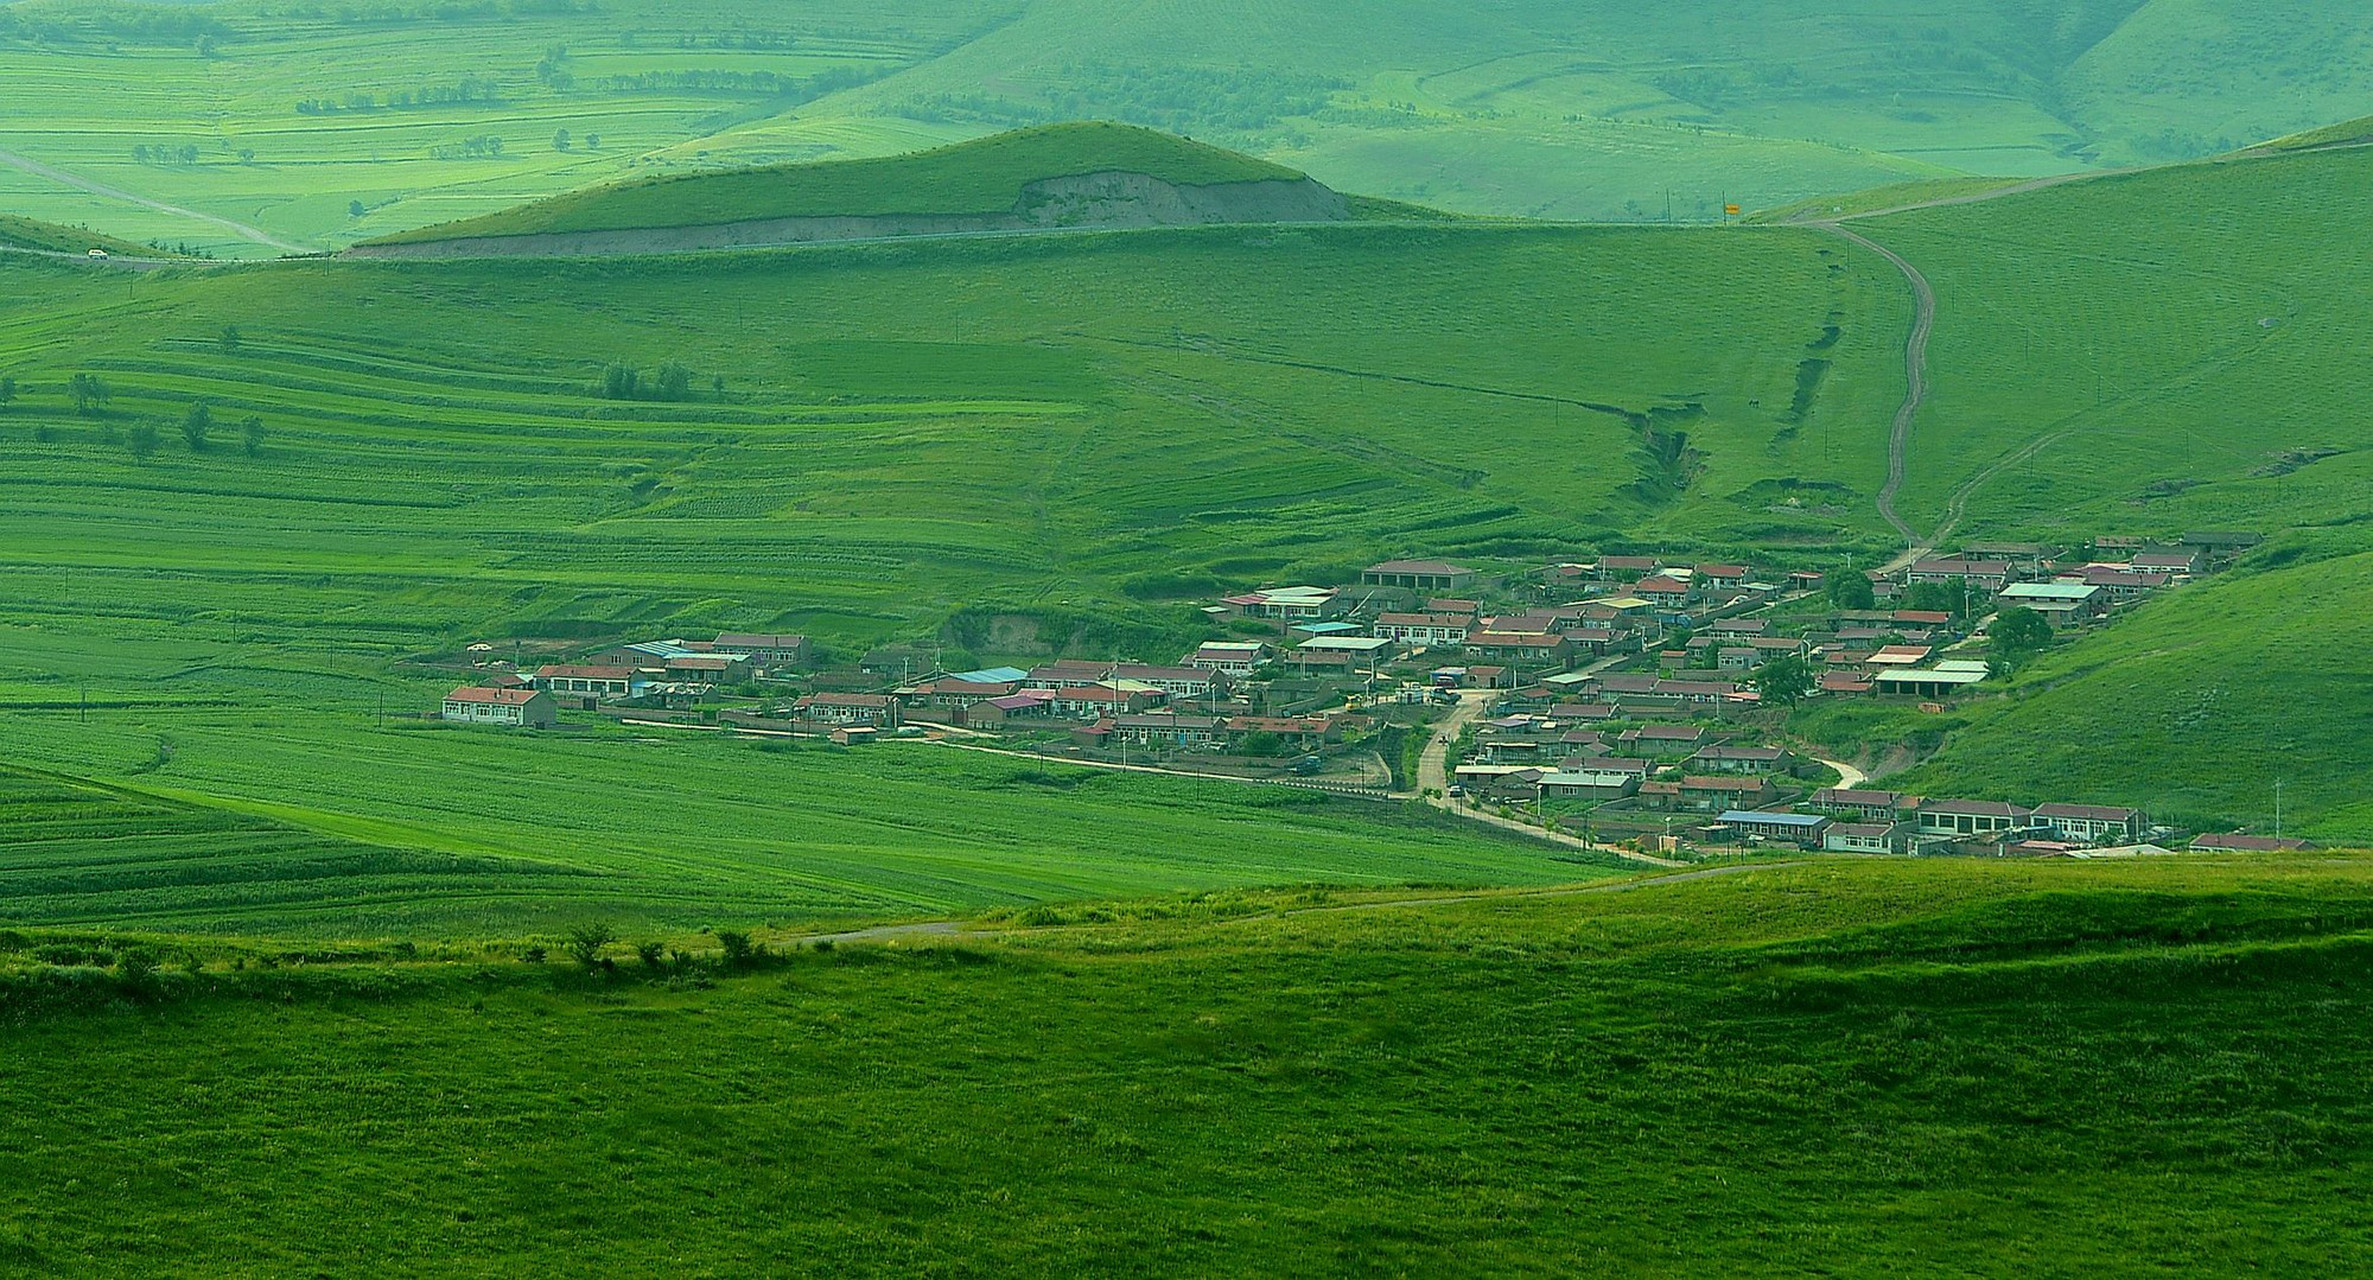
(1915,366)
(239,229)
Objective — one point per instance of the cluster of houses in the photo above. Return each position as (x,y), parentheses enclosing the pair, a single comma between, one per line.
(1869,821)
(1191,706)
(645,669)
(1689,620)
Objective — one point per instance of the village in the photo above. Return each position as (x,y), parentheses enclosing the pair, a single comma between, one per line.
(1631,698)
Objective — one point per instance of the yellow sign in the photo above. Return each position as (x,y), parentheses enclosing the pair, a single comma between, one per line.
(1731,209)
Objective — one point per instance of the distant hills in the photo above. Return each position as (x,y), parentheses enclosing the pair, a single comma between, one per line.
(1080,176)
(327,126)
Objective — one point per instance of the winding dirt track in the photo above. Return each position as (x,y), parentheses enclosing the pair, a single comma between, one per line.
(1915,368)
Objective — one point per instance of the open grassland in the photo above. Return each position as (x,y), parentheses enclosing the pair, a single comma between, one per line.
(319,127)
(908,430)
(980,177)
(2148,353)
(2193,709)
(321,824)
(1847,1068)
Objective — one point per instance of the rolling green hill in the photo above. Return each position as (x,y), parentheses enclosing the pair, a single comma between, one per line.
(243,127)
(48,237)
(2150,351)
(990,176)
(1092,430)
(1854,1069)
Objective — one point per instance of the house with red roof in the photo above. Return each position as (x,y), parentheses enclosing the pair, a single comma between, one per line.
(516,708)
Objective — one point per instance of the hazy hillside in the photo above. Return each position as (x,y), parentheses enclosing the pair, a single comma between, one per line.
(258,127)
(1078,176)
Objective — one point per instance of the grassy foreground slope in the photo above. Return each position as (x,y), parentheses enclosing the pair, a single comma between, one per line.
(1850,1069)
(986,176)
(2147,353)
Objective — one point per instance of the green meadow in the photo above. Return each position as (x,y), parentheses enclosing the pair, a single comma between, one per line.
(2147,353)
(1851,1068)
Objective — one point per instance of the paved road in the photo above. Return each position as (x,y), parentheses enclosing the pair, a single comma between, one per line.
(239,229)
(1848,777)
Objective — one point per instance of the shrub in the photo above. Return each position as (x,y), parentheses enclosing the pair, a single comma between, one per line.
(585,942)
(650,953)
(738,949)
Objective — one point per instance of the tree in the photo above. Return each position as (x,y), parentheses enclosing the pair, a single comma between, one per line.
(196,424)
(1784,681)
(87,391)
(2016,634)
(585,942)
(717,384)
(7,391)
(143,439)
(1850,590)
(251,434)
(593,140)
(560,140)
(650,953)
(674,382)
(1951,596)
(230,338)
(620,381)
(355,209)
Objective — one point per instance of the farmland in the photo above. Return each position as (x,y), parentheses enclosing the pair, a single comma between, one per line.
(1856,1068)
(241,128)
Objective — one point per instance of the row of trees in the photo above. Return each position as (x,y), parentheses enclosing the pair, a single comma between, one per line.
(197,431)
(672,382)
(89,393)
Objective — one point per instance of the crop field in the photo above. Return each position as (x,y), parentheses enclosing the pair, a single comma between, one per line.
(1852,1068)
(323,824)
(2151,353)
(243,128)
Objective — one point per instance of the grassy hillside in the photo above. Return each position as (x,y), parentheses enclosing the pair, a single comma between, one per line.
(1854,1069)
(2193,709)
(1103,429)
(2148,352)
(48,237)
(320,127)
(980,177)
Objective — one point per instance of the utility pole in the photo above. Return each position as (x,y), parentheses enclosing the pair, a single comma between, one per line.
(2278,808)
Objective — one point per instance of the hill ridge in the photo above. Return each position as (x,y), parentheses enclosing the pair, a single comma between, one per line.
(1084,175)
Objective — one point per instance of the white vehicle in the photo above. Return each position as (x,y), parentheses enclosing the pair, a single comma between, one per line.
(98,253)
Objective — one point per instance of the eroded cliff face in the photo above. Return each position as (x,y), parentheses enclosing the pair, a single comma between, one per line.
(1083,202)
